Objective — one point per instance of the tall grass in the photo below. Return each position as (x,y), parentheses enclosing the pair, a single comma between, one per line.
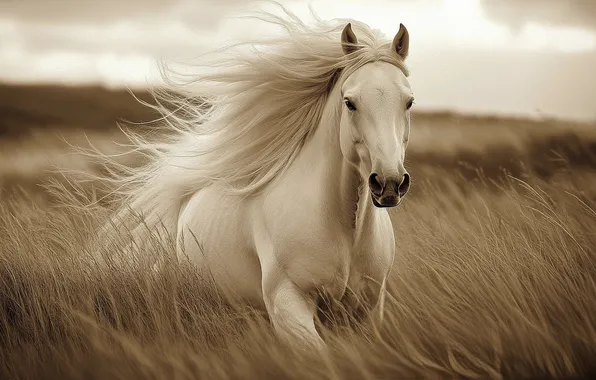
(486,284)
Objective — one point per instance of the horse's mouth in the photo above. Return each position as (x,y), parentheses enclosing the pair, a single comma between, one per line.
(386,201)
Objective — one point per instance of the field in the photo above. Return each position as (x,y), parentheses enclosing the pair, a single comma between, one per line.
(495,274)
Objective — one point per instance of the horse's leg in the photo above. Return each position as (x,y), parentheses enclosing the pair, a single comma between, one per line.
(291,309)
(365,301)
(368,295)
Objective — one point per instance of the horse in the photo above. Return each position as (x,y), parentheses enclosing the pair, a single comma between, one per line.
(280,186)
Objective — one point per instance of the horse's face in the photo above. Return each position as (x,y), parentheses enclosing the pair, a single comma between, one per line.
(375,123)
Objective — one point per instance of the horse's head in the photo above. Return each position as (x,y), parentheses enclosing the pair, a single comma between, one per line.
(375,121)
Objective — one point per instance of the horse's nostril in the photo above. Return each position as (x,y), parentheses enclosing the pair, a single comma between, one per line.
(404,186)
(375,184)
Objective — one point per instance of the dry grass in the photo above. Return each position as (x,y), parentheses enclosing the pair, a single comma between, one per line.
(493,279)
(485,284)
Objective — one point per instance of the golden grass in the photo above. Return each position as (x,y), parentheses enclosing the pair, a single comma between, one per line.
(490,281)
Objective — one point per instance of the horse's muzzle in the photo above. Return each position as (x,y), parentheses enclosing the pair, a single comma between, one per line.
(388,192)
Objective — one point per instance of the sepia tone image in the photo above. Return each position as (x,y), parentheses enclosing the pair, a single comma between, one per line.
(293,189)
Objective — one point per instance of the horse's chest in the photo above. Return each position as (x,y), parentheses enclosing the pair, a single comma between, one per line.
(353,269)
(318,250)
(368,265)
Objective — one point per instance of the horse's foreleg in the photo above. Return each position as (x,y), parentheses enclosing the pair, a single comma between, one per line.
(367,300)
(291,310)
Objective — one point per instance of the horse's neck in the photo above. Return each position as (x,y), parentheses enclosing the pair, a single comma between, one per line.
(344,191)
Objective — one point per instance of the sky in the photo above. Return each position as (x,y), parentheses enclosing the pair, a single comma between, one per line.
(529,58)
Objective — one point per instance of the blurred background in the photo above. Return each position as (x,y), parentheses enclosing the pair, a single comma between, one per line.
(484,71)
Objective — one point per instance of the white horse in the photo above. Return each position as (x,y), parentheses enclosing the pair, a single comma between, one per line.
(280,189)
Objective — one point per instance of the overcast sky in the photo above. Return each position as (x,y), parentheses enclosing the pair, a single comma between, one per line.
(528,57)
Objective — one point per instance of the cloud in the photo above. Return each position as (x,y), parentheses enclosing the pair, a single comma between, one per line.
(121,37)
(109,46)
(60,11)
(558,13)
(535,83)
(157,27)
(68,67)
(202,12)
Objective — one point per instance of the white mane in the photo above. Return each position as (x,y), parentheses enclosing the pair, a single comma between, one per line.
(265,99)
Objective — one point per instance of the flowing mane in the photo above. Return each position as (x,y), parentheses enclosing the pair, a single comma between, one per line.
(264,99)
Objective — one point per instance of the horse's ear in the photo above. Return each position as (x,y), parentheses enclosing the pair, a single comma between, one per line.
(348,40)
(401,42)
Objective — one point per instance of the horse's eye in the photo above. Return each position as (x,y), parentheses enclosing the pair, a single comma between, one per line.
(410,104)
(350,105)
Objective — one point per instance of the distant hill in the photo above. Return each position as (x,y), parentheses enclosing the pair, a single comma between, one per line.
(23,108)
(27,107)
